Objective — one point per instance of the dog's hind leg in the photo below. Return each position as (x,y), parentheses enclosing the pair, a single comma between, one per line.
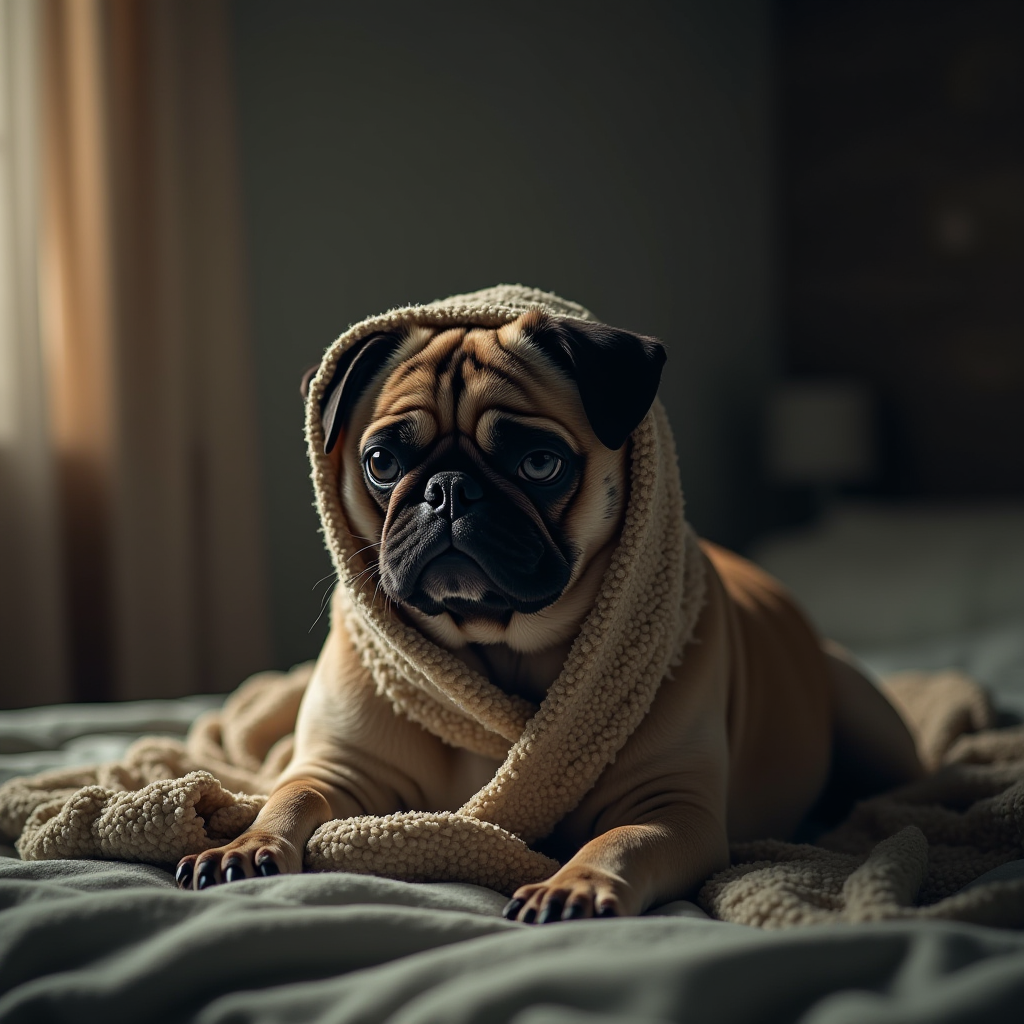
(873,748)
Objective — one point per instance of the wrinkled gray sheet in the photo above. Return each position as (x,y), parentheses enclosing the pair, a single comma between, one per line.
(87,941)
(64,735)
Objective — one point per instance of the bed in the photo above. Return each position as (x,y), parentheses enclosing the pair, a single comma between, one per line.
(94,940)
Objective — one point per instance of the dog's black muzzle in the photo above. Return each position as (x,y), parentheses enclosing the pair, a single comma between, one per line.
(469,550)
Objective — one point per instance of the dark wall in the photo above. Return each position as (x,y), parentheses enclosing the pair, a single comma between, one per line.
(616,154)
(902,156)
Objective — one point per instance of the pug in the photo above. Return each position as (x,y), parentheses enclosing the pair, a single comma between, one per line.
(484,471)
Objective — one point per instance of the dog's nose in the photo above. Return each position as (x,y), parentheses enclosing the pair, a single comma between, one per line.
(450,493)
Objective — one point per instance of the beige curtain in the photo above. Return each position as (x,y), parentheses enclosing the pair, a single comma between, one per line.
(162,584)
(33,652)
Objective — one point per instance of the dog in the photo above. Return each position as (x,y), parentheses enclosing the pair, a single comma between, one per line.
(485,471)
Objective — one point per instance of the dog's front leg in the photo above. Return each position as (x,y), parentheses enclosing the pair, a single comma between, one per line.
(628,869)
(274,843)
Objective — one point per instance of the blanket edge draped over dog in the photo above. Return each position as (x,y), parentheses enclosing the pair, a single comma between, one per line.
(645,613)
(919,845)
(647,606)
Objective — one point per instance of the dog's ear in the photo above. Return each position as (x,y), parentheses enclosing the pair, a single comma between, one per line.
(357,366)
(617,372)
(307,379)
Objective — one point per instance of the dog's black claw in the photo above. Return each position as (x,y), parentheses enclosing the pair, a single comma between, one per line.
(574,911)
(183,875)
(234,873)
(529,916)
(207,875)
(267,867)
(551,912)
(512,908)
(607,910)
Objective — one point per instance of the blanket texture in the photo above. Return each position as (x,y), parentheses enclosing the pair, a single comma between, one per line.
(905,854)
(644,615)
(909,852)
(166,799)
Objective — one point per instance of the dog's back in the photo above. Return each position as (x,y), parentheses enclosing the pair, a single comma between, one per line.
(780,699)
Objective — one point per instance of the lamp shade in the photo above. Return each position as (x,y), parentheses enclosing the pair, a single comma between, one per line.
(820,432)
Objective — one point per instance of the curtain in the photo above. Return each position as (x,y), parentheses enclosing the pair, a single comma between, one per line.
(33,651)
(146,368)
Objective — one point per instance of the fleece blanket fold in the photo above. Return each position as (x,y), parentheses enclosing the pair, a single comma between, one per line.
(552,754)
(166,799)
(905,854)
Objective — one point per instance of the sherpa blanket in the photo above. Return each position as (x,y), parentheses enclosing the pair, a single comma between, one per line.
(905,854)
(553,754)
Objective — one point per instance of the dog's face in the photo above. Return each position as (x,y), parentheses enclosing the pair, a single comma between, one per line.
(486,470)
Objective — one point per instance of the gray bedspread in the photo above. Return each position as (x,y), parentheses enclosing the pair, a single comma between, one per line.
(87,941)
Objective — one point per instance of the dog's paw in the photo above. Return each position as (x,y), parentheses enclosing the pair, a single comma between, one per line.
(571,894)
(252,854)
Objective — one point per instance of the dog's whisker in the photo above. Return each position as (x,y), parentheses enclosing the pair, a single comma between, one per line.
(386,596)
(326,598)
(361,550)
(323,605)
(365,572)
(359,536)
(388,601)
(333,572)
(369,577)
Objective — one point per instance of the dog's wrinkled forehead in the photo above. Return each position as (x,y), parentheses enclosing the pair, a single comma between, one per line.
(537,361)
(448,381)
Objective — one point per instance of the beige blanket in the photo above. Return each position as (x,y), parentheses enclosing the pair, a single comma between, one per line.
(550,755)
(166,801)
(908,853)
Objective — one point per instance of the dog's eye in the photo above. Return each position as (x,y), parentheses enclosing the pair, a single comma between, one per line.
(382,466)
(540,467)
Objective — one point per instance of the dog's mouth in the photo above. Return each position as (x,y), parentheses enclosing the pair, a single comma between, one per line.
(454,582)
(481,566)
